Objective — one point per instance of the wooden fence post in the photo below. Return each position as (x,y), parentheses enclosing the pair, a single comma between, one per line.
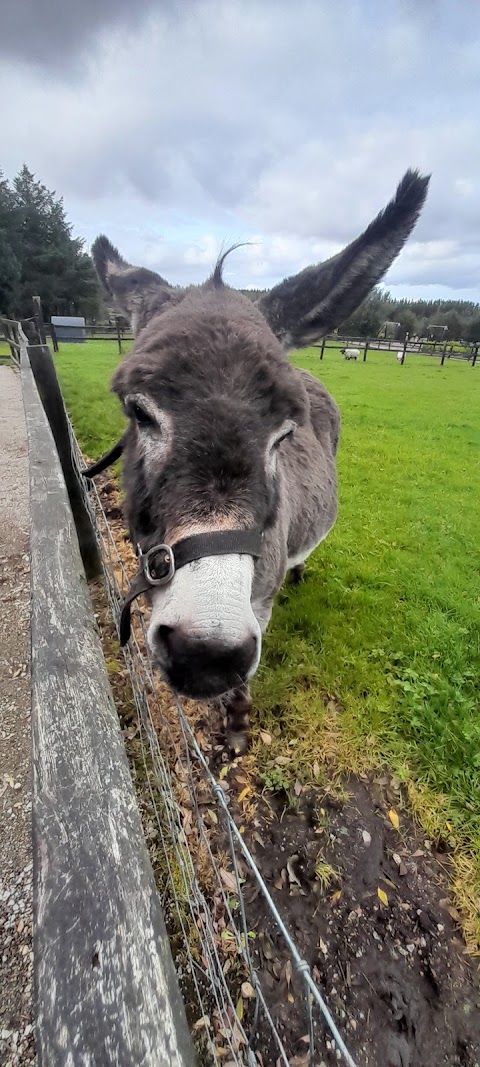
(54,337)
(322,347)
(404,352)
(38,316)
(475,355)
(119,336)
(444,354)
(43,367)
(13,340)
(367,345)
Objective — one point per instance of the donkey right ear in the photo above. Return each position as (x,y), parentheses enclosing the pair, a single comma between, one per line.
(135,291)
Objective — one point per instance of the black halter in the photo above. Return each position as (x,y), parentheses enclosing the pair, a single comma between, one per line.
(105,461)
(159,564)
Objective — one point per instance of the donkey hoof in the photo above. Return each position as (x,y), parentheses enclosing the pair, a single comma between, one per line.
(237,742)
(297,574)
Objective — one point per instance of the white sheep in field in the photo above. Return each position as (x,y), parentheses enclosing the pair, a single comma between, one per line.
(399,356)
(350,353)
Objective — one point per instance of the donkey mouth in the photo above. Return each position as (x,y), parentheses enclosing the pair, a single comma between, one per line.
(196,688)
(203,670)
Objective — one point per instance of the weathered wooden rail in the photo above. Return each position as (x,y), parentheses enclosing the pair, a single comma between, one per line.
(11,332)
(106,989)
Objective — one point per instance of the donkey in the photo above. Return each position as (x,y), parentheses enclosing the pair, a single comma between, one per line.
(230,452)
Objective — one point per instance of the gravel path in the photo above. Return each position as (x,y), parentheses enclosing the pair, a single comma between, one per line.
(16,956)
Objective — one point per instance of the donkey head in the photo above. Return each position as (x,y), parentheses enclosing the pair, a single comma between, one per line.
(212,402)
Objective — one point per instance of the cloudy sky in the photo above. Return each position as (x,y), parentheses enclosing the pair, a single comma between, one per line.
(177,125)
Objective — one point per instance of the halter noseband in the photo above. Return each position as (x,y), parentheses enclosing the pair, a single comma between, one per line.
(158,565)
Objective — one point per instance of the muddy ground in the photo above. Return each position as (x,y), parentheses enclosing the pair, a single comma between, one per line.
(379,936)
(366,897)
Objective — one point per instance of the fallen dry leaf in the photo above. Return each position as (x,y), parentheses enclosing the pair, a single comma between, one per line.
(367,838)
(382,896)
(203,1022)
(239,1009)
(267,948)
(247,990)
(291,873)
(228,880)
(266,738)
(395,821)
(282,761)
(243,794)
(288,973)
(316,770)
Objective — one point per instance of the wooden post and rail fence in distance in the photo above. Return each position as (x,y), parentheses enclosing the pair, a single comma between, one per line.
(43,368)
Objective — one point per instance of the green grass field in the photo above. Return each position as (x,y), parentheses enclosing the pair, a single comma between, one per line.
(375,659)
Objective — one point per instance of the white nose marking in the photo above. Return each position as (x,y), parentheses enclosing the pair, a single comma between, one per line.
(209,599)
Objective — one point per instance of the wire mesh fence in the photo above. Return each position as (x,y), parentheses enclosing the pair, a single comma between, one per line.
(209,878)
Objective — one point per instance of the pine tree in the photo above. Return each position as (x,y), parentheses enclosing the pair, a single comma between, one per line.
(10,267)
(47,261)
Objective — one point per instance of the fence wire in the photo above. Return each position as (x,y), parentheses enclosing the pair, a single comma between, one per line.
(208,874)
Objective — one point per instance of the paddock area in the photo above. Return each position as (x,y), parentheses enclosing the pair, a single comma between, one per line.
(388,618)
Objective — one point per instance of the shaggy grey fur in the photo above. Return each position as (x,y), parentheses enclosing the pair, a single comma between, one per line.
(216,364)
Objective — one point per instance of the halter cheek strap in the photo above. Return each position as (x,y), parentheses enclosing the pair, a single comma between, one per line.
(105,461)
(158,566)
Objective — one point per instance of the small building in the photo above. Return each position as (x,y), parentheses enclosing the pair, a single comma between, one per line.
(69,328)
(436,333)
(389,330)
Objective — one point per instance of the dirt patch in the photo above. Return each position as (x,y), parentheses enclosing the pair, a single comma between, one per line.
(366,899)
(369,909)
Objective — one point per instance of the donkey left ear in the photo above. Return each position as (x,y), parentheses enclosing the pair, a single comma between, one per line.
(307,306)
(132,289)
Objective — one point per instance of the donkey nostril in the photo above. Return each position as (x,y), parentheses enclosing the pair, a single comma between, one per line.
(163,637)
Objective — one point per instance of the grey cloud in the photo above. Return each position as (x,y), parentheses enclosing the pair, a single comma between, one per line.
(291,123)
(54,33)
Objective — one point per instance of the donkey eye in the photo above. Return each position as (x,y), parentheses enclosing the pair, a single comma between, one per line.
(135,411)
(287,430)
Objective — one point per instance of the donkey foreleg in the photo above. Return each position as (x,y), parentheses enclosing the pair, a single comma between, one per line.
(238,705)
(296,574)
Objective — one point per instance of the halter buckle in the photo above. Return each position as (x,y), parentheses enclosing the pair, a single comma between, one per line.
(158,564)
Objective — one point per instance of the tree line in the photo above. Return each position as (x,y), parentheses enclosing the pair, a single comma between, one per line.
(39,257)
(461,317)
